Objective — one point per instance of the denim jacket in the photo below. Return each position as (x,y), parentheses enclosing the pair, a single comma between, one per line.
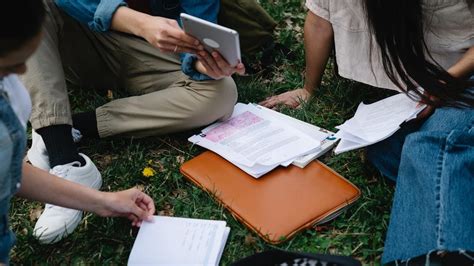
(97,14)
(12,148)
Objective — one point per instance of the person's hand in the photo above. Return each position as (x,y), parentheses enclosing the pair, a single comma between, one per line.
(132,203)
(166,35)
(215,66)
(292,99)
(429,109)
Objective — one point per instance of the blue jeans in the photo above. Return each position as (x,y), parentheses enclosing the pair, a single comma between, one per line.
(433,166)
(12,150)
(7,238)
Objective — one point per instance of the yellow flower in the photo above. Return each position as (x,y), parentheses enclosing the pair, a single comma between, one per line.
(148,172)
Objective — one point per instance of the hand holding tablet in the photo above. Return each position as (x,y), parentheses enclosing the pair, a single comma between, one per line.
(222,47)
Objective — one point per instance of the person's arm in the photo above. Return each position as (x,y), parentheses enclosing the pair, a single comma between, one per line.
(41,186)
(464,68)
(97,14)
(318,40)
(165,34)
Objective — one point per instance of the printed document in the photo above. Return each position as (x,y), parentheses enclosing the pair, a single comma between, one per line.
(252,138)
(325,137)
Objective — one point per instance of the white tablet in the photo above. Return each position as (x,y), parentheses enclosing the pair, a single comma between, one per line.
(214,37)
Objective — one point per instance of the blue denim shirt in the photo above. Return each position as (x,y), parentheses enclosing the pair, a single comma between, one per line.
(12,149)
(97,14)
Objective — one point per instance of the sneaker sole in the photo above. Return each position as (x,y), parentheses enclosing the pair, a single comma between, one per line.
(54,238)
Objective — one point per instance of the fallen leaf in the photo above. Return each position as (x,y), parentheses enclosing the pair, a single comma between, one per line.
(179,193)
(110,94)
(250,240)
(180,159)
(321,228)
(35,213)
(167,210)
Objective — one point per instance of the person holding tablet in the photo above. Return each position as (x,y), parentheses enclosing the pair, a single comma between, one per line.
(135,45)
(403,45)
(17,42)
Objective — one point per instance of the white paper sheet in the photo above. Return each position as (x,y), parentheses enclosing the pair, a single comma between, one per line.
(179,241)
(325,137)
(375,122)
(252,138)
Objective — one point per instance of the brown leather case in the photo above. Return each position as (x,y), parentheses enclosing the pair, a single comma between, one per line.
(279,204)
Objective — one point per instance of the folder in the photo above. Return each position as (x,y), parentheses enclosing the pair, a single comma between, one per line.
(279,204)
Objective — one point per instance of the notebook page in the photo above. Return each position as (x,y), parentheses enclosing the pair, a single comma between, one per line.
(178,241)
(223,242)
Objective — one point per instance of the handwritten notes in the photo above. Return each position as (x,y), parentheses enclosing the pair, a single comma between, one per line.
(179,241)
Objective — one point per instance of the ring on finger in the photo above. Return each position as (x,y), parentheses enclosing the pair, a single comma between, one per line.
(175,48)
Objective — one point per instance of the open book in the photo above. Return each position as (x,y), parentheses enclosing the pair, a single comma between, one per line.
(179,241)
(257,140)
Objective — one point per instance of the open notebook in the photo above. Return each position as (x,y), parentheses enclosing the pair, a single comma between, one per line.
(179,241)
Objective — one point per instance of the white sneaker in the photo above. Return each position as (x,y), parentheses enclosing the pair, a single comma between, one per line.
(38,155)
(57,222)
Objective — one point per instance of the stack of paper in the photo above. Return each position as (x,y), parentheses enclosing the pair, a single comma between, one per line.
(257,139)
(179,241)
(326,137)
(375,122)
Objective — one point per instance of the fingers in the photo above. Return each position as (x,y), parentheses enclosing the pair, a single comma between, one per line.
(223,66)
(171,38)
(147,204)
(240,69)
(270,102)
(134,219)
(428,111)
(142,207)
(208,61)
(175,48)
(176,32)
(217,67)
(140,213)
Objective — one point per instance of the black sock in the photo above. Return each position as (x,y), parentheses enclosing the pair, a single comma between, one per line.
(86,123)
(60,145)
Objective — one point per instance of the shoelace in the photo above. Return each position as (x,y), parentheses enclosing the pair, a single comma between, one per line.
(62,171)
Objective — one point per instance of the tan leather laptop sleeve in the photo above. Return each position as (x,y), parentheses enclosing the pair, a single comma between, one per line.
(279,204)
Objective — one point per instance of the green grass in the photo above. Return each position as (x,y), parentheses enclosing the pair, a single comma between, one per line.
(359,232)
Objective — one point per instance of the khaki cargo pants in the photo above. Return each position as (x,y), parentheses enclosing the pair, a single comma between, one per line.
(164,100)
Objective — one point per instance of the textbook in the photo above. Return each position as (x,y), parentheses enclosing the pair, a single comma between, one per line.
(257,140)
(179,241)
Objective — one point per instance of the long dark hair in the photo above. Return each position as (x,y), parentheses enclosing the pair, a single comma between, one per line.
(398,27)
(20,21)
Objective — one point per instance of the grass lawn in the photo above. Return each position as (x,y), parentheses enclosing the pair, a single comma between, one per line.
(358,232)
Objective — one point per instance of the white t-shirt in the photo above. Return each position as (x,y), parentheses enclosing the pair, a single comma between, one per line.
(449,33)
(18,96)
